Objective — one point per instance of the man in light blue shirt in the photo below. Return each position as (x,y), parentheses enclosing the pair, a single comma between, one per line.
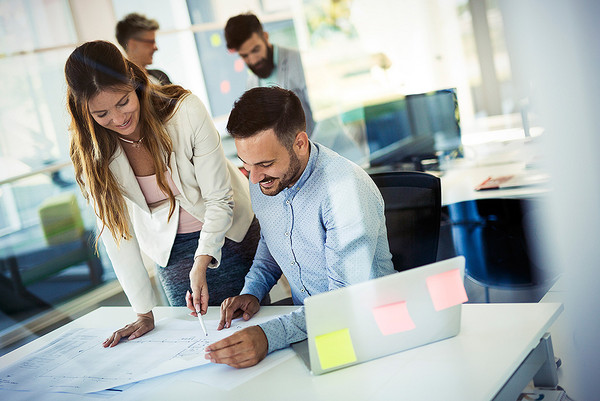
(271,65)
(321,216)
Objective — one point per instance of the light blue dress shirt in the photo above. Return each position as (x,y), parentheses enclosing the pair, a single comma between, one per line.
(326,232)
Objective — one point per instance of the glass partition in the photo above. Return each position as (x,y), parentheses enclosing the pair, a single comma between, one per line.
(354,52)
(46,229)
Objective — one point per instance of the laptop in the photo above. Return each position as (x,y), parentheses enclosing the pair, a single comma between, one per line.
(383,316)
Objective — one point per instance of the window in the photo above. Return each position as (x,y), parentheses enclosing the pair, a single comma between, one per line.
(43,218)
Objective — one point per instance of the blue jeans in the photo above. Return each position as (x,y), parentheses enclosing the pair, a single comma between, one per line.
(225,281)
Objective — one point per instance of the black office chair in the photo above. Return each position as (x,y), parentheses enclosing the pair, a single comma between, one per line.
(495,236)
(413,204)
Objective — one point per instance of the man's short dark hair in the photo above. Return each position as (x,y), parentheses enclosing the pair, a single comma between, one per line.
(239,29)
(263,108)
(133,24)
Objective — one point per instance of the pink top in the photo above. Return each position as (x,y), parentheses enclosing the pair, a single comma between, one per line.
(153,194)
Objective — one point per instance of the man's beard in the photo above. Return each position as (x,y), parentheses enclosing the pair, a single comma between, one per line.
(265,66)
(288,178)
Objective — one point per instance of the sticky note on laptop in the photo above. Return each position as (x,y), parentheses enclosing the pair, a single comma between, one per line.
(393,318)
(335,349)
(446,289)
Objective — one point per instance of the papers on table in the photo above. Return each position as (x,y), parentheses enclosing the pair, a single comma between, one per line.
(77,363)
(513,181)
(226,378)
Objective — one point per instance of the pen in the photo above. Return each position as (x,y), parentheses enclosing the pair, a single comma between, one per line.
(189,298)
(201,322)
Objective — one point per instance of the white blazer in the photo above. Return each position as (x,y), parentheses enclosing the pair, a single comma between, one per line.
(211,189)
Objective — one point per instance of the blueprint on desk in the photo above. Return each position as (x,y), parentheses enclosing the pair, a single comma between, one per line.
(78,363)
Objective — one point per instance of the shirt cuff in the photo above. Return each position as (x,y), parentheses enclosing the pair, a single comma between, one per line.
(216,260)
(260,295)
(143,301)
(275,333)
(285,330)
(213,264)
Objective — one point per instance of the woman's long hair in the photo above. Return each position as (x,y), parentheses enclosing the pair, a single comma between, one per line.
(95,67)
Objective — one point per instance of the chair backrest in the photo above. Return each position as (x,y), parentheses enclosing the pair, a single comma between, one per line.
(413,204)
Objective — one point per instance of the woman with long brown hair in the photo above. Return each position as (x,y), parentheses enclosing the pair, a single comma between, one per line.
(150,161)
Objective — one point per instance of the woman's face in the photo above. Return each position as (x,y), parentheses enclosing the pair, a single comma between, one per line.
(117,111)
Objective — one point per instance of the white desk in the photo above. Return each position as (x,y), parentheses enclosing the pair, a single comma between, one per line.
(459,182)
(564,339)
(492,154)
(476,365)
(459,177)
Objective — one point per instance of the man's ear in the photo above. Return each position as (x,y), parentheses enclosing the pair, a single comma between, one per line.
(128,44)
(301,143)
(266,36)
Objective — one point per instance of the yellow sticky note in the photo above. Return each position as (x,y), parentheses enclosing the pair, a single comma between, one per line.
(335,349)
(446,289)
(215,40)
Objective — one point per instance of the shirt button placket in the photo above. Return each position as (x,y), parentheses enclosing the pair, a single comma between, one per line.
(288,233)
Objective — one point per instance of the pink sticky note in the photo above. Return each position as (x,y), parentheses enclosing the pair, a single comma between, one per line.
(393,318)
(225,86)
(446,289)
(238,65)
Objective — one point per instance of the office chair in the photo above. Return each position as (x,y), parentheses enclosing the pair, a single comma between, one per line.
(495,236)
(412,215)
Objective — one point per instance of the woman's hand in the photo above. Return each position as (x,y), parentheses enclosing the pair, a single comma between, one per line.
(143,324)
(198,299)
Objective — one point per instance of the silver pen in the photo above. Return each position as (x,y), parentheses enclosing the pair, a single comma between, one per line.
(201,322)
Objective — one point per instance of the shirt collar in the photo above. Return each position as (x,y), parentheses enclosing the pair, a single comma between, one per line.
(310,166)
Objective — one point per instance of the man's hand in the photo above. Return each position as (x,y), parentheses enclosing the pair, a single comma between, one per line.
(143,324)
(242,305)
(242,349)
(198,299)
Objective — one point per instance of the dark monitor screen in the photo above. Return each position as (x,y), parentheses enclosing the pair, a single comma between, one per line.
(436,114)
(415,126)
(386,123)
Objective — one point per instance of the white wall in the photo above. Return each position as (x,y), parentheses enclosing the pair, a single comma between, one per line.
(94,20)
(560,59)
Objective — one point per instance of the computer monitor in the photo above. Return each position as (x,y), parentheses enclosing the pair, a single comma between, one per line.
(435,114)
(414,127)
(386,124)
(389,133)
